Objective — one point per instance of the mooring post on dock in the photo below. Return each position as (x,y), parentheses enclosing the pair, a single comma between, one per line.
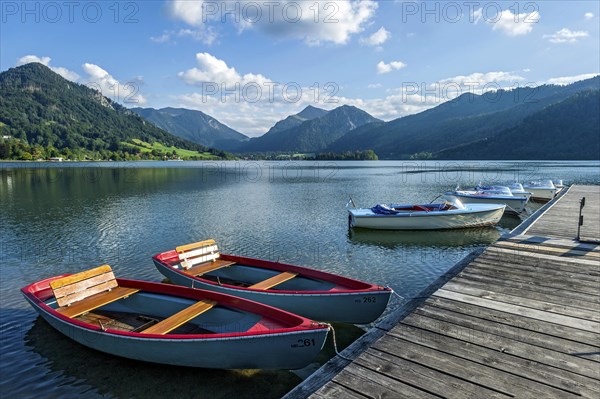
(581,205)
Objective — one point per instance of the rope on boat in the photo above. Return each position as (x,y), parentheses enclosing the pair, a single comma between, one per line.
(335,348)
(441,195)
(335,342)
(398,295)
(350,201)
(511,209)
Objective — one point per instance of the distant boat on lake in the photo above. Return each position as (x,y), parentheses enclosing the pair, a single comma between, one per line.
(491,195)
(542,190)
(447,215)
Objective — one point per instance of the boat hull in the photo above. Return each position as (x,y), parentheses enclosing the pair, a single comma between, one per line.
(281,349)
(361,306)
(542,194)
(477,215)
(515,203)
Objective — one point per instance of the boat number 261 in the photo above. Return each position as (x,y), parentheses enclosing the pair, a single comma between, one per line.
(301,343)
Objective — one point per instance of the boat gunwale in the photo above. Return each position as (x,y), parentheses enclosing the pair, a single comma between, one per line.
(369,288)
(38,292)
(490,196)
(449,212)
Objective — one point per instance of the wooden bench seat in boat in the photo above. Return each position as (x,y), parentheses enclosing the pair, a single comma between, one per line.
(88,290)
(273,281)
(201,257)
(208,267)
(180,318)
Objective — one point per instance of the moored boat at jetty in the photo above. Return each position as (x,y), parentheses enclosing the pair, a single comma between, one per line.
(169,324)
(301,290)
(451,214)
(518,191)
(542,190)
(491,195)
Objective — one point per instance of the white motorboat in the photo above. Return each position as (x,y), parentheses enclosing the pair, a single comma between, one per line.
(542,190)
(491,195)
(447,215)
(518,191)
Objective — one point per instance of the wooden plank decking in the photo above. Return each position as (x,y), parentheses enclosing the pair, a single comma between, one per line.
(561,219)
(521,320)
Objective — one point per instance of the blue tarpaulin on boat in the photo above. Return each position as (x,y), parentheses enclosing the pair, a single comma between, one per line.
(383,210)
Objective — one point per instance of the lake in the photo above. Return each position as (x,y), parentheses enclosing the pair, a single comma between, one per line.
(60,218)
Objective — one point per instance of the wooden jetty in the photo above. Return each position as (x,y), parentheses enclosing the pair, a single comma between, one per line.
(519,319)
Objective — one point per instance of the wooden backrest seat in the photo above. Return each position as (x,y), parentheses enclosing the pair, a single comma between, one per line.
(273,281)
(81,292)
(172,322)
(201,257)
(198,252)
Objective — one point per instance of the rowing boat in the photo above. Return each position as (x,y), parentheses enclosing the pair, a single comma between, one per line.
(170,324)
(314,294)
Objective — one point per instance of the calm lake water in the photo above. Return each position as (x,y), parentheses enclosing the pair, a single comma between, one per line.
(63,218)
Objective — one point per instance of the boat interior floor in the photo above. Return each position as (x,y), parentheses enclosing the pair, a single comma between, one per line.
(224,280)
(130,322)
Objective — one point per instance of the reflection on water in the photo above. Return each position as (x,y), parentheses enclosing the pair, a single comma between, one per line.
(63,218)
(90,372)
(93,372)
(424,239)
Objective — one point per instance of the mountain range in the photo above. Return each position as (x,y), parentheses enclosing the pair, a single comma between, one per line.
(569,129)
(193,125)
(467,119)
(468,127)
(45,115)
(311,130)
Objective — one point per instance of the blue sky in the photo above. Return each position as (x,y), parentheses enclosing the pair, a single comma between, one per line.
(251,63)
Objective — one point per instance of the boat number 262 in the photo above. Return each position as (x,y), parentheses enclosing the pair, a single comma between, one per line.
(366,299)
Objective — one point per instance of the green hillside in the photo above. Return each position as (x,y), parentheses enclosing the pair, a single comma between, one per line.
(569,129)
(459,122)
(195,126)
(45,115)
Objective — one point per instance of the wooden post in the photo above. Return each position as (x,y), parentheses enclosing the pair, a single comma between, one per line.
(581,205)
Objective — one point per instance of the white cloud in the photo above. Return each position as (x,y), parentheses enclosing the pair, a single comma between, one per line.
(313,22)
(526,70)
(164,38)
(477,15)
(64,72)
(588,15)
(565,80)
(479,80)
(507,22)
(377,38)
(566,36)
(99,79)
(382,67)
(213,70)
(374,85)
(516,24)
(26,59)
(205,35)
(248,102)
